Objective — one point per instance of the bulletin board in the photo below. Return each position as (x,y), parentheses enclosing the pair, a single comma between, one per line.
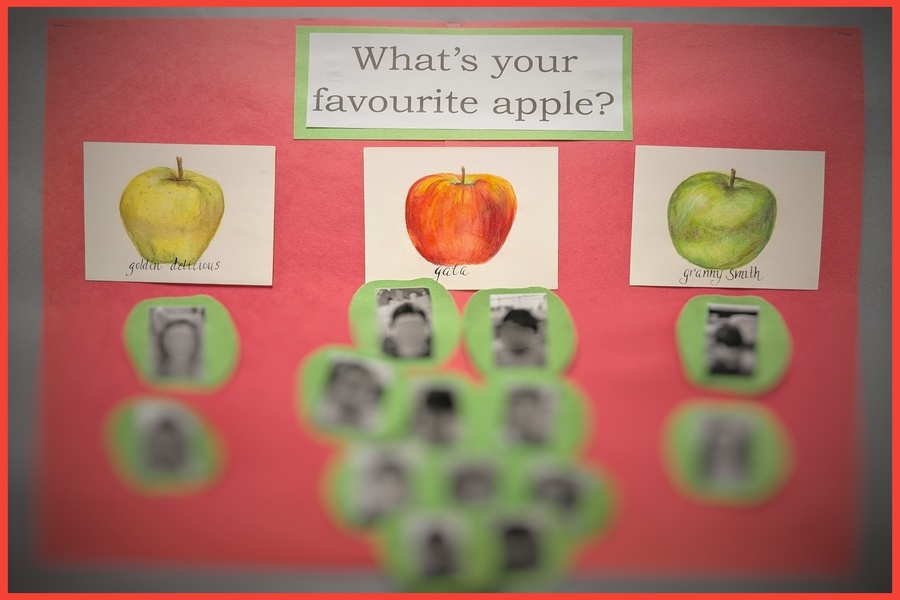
(689,89)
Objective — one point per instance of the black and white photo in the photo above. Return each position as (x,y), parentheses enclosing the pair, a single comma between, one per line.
(165,432)
(437,544)
(473,481)
(726,446)
(353,394)
(731,332)
(177,336)
(530,413)
(559,489)
(383,482)
(520,545)
(436,414)
(520,329)
(406,318)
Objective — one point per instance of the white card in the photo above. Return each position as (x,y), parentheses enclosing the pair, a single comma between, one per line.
(436,79)
(788,260)
(528,256)
(230,243)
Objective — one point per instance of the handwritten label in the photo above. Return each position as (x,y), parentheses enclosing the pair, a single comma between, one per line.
(144,265)
(462,270)
(715,276)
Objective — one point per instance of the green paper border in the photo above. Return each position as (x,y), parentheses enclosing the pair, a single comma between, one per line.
(312,378)
(772,453)
(773,347)
(366,328)
(221,348)
(571,430)
(123,446)
(479,334)
(301,82)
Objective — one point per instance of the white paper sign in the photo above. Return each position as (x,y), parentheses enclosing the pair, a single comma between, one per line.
(527,257)
(230,243)
(515,81)
(712,244)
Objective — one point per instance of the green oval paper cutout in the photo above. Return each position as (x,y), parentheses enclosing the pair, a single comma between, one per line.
(581,515)
(772,347)
(402,543)
(370,332)
(202,316)
(558,422)
(170,464)
(483,349)
(383,409)
(361,492)
(749,473)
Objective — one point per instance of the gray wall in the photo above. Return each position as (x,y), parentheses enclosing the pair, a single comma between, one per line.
(27,71)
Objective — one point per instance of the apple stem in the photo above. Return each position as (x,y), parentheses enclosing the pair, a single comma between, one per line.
(462,178)
(181,168)
(731,181)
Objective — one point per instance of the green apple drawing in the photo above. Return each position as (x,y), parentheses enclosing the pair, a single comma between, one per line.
(717,221)
(171,215)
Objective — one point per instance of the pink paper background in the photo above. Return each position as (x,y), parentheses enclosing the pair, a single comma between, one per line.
(231,82)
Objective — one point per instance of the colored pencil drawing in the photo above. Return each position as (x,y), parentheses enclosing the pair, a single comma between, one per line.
(720,221)
(459,218)
(171,215)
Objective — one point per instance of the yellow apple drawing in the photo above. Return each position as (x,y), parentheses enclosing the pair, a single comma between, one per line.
(171,215)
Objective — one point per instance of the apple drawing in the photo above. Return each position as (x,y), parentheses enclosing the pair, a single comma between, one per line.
(171,215)
(717,221)
(459,219)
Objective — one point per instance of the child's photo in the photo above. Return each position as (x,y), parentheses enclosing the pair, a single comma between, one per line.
(726,443)
(559,489)
(530,412)
(473,482)
(437,544)
(435,417)
(177,341)
(165,432)
(520,546)
(383,477)
(406,318)
(520,329)
(353,394)
(731,331)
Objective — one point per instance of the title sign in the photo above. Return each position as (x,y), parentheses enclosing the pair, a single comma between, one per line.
(382,83)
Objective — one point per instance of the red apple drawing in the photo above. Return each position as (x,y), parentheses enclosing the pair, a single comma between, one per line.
(459,219)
